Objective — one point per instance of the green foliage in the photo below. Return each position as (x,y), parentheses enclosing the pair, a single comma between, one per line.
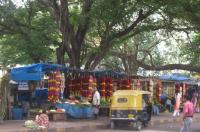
(31,34)
(188,10)
(192,50)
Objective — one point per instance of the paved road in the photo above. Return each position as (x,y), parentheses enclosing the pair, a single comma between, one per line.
(175,127)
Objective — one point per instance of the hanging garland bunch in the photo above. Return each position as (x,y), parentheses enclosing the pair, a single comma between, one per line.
(54,86)
(109,87)
(125,84)
(158,91)
(102,86)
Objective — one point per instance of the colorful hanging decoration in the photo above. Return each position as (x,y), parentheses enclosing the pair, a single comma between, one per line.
(109,87)
(158,90)
(102,87)
(87,87)
(105,87)
(151,87)
(125,84)
(62,85)
(70,86)
(54,86)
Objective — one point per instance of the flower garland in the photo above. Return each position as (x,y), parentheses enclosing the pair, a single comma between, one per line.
(54,86)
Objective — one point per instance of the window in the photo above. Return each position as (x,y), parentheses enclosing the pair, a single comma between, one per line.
(122,100)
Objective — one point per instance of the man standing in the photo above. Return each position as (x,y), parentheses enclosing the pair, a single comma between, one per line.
(188,111)
(96,102)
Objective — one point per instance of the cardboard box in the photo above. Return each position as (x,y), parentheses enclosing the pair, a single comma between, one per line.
(57,116)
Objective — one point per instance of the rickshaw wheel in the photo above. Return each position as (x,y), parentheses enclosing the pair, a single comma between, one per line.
(112,125)
(145,124)
(138,125)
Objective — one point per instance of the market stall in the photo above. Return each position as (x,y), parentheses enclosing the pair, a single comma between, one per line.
(168,87)
(33,90)
(175,82)
(67,91)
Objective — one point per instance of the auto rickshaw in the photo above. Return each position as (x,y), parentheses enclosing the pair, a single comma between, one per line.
(132,107)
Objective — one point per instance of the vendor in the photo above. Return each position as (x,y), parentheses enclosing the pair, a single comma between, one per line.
(26,108)
(96,102)
(168,104)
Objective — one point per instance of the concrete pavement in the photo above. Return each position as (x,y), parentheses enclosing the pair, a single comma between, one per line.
(85,125)
(168,118)
(78,125)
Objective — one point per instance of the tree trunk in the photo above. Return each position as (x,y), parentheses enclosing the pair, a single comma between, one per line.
(60,55)
(95,58)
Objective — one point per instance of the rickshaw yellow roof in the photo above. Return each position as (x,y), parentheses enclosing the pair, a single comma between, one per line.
(130,92)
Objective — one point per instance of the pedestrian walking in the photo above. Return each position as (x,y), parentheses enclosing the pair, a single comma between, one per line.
(198,103)
(177,104)
(96,102)
(188,111)
(194,100)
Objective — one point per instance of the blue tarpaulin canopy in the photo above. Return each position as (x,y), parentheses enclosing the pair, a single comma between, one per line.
(174,77)
(33,72)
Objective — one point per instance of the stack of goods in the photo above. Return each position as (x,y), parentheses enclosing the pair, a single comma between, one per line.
(125,84)
(54,86)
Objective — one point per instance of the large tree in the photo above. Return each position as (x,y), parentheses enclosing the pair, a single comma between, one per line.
(109,22)
(91,28)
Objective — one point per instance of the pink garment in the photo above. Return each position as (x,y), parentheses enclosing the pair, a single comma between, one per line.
(188,109)
(43,120)
(178,101)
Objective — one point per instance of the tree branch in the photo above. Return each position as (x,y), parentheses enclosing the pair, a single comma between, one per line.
(140,18)
(187,67)
(53,8)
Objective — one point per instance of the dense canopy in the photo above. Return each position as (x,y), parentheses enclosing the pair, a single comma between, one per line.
(122,35)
